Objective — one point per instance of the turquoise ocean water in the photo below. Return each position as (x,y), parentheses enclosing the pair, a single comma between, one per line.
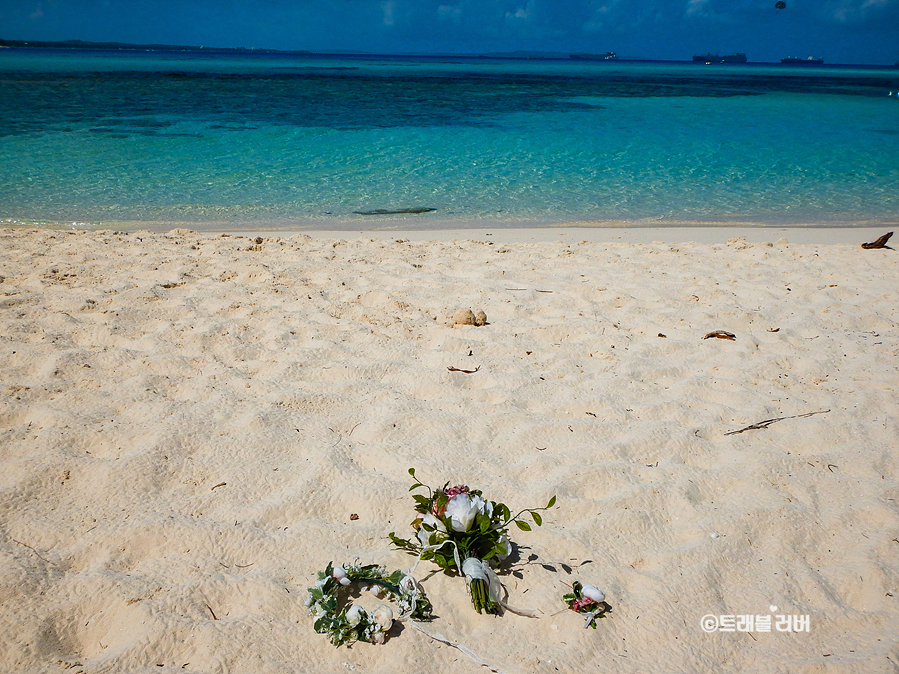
(253,141)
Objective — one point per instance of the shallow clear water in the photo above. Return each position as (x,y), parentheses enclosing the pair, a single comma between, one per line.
(255,141)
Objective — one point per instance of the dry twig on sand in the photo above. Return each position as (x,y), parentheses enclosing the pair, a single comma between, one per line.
(768,422)
(39,555)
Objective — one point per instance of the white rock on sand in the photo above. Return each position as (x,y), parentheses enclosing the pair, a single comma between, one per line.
(188,421)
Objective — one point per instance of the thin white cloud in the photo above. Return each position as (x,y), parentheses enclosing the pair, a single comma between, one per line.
(449,11)
(705,10)
(600,17)
(696,6)
(37,13)
(852,11)
(387,7)
(523,13)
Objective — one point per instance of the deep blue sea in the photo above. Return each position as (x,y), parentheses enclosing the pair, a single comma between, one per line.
(251,141)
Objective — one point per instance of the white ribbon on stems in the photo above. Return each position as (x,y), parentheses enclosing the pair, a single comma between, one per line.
(475,569)
(591,617)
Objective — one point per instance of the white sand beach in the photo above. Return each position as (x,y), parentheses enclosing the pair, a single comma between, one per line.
(192,425)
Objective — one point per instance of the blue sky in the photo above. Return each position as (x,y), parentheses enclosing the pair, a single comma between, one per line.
(842,31)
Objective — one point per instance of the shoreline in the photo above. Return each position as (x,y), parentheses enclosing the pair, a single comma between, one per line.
(573,232)
(702,235)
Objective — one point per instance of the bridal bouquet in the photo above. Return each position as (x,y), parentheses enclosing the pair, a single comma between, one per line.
(460,530)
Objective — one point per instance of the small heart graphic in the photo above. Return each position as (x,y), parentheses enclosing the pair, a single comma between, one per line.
(772,608)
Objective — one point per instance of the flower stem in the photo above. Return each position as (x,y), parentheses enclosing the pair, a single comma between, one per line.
(480,597)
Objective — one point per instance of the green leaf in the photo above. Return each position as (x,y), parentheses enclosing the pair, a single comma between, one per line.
(441,500)
(484,522)
(524,526)
(402,542)
(412,472)
(552,502)
(537,519)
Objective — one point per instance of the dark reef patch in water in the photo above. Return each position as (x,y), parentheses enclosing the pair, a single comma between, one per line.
(344,99)
(398,211)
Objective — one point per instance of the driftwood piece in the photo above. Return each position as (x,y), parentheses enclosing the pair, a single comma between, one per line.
(768,422)
(456,369)
(880,243)
(722,334)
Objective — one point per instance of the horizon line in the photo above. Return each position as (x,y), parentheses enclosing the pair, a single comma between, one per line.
(517,54)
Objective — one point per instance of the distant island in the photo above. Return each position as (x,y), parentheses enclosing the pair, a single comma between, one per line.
(125,46)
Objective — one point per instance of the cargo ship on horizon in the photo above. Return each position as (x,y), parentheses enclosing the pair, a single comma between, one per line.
(810,61)
(608,56)
(715,58)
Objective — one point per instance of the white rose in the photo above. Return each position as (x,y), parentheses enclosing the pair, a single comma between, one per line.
(354,615)
(462,509)
(409,585)
(592,592)
(383,615)
(433,521)
(430,520)
(505,546)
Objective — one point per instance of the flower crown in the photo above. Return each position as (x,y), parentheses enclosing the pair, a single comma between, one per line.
(354,623)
